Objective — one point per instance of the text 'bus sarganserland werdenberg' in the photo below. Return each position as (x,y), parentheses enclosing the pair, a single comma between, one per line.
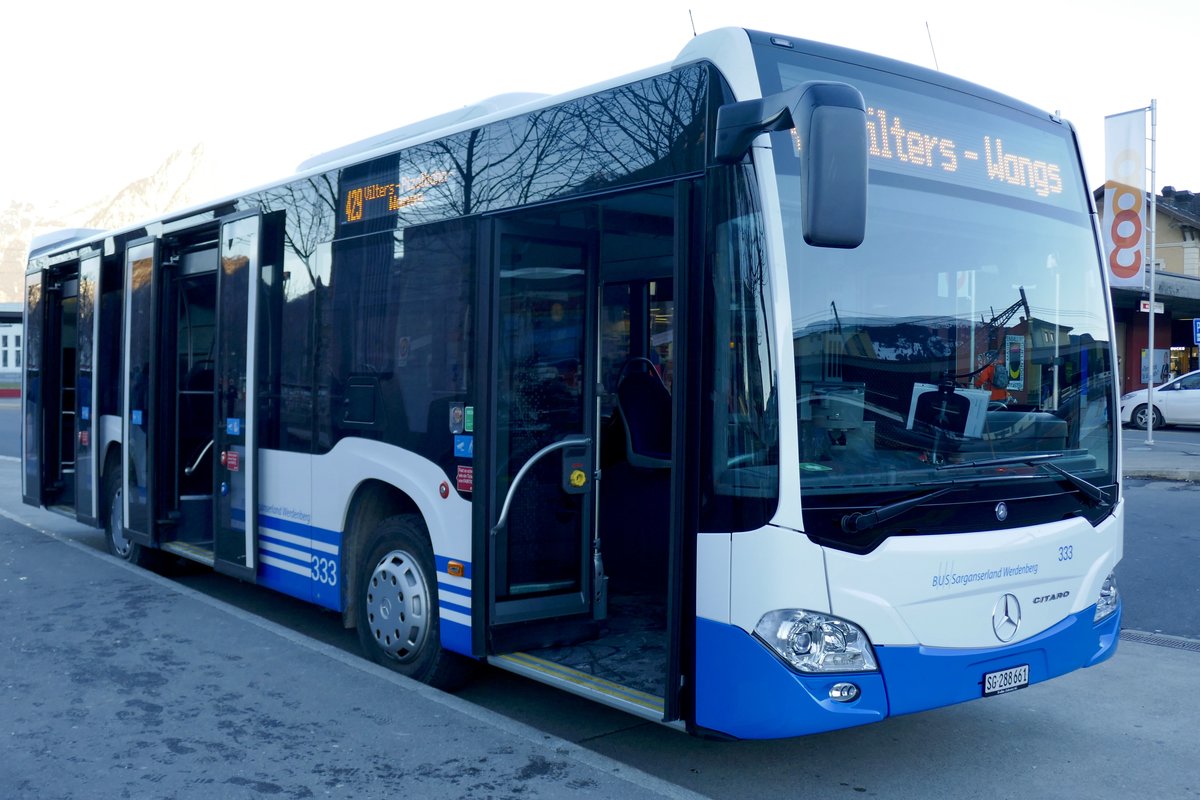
(762,393)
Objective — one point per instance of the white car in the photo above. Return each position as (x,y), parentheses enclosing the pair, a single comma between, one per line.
(1176,402)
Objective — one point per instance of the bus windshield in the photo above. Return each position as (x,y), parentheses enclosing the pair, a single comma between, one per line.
(970,329)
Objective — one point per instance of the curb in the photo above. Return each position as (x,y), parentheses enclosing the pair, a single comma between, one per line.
(1165,474)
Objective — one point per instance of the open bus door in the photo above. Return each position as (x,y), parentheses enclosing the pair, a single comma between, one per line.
(32,391)
(59,396)
(139,374)
(540,462)
(236,397)
(86,412)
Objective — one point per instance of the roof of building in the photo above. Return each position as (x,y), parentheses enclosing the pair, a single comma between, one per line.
(1181,205)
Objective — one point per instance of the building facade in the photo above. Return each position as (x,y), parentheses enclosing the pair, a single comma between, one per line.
(11,342)
(1177,295)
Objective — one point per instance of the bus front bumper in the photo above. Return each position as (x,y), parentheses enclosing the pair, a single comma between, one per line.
(743,690)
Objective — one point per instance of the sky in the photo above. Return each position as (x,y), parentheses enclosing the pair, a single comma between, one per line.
(99,94)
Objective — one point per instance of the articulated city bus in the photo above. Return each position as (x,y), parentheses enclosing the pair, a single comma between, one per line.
(762,393)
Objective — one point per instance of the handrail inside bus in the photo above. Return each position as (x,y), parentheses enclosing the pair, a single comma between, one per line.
(569,441)
(199,458)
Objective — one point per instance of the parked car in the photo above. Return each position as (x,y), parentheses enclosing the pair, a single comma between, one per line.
(1176,402)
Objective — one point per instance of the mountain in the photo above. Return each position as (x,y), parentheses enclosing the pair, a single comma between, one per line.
(177,183)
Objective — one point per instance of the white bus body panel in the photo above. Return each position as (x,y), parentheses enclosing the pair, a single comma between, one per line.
(712,576)
(774,568)
(352,461)
(304,500)
(941,590)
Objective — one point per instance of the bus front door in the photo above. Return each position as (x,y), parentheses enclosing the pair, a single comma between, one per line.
(236,396)
(541,457)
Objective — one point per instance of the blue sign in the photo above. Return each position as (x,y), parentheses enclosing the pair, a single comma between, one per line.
(464,446)
(1196,330)
(233,426)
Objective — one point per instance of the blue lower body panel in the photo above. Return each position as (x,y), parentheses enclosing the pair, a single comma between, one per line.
(921,678)
(744,690)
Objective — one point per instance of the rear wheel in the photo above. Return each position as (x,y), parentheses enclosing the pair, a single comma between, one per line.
(398,622)
(1141,417)
(114,519)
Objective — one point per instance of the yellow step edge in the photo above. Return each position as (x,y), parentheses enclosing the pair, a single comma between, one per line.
(583,679)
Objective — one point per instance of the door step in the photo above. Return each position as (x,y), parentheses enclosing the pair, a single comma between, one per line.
(192,552)
(632,701)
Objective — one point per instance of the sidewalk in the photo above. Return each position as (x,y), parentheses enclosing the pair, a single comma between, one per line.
(1166,459)
(117,682)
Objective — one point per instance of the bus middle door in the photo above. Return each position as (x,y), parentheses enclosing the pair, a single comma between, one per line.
(235,493)
(541,462)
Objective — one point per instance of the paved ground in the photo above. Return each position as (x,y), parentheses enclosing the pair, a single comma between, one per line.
(1173,455)
(115,682)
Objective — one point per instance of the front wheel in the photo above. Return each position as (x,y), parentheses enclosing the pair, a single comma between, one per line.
(398,622)
(1141,417)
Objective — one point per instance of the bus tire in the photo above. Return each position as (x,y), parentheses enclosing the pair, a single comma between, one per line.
(397,598)
(114,519)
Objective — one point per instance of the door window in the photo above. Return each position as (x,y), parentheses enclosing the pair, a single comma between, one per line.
(540,364)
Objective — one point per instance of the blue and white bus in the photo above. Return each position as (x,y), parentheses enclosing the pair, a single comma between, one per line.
(765,392)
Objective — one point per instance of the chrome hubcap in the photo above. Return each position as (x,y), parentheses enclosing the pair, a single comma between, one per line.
(398,605)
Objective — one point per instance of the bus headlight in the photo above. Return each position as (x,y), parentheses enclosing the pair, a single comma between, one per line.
(1109,596)
(811,642)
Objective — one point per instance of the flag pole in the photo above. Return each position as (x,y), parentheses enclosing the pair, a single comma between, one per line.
(1153,255)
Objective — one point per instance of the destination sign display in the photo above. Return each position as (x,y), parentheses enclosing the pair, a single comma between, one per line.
(927,134)
(373,198)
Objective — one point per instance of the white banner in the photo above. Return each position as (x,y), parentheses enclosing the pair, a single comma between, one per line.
(1124,223)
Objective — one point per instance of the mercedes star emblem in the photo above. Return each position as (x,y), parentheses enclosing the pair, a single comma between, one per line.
(1006,618)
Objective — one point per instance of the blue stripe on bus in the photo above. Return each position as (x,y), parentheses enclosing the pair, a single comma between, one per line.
(454,607)
(300,529)
(446,587)
(284,581)
(307,586)
(304,560)
(456,637)
(323,535)
(443,565)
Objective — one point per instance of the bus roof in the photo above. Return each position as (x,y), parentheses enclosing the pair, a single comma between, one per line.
(716,45)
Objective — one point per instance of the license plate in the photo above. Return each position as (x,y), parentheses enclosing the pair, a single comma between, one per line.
(1005,680)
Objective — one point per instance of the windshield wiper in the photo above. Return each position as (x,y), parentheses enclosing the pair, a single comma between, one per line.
(859,522)
(1098,496)
(863,521)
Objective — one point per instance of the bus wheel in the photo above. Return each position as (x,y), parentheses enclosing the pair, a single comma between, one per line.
(114,519)
(398,606)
